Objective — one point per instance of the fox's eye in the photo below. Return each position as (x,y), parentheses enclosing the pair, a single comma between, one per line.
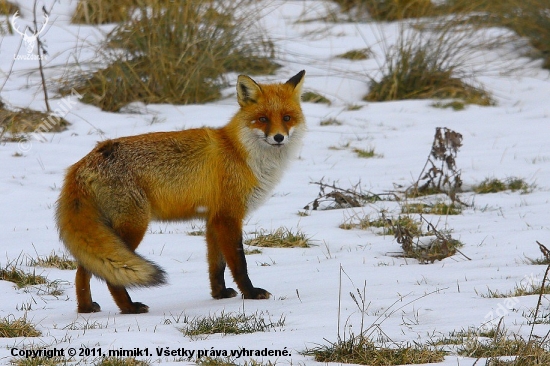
(263,119)
(286,118)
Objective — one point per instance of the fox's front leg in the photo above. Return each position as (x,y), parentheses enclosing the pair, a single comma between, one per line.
(225,245)
(216,269)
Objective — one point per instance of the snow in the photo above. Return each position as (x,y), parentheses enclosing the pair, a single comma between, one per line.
(499,232)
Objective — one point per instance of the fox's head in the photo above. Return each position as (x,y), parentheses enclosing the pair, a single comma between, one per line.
(272,112)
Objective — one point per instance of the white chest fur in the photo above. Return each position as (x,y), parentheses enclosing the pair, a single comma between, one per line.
(268,163)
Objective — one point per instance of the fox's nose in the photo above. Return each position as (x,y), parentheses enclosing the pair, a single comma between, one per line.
(278,138)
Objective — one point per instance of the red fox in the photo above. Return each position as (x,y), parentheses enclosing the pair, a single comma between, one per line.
(217,174)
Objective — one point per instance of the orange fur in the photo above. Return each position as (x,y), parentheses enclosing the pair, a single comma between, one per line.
(110,196)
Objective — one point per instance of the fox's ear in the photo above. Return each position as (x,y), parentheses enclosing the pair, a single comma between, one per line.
(297,81)
(248,90)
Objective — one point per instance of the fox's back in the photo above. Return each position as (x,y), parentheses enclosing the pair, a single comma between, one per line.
(177,174)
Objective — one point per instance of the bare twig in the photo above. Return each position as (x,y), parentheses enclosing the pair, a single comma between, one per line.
(41,50)
(344,198)
(546,253)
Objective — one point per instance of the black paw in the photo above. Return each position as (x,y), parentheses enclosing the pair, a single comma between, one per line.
(257,294)
(136,308)
(225,294)
(90,308)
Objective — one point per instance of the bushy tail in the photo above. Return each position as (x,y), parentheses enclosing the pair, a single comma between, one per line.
(97,248)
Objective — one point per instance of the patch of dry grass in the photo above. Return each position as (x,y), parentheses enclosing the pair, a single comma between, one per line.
(427,247)
(494,185)
(39,361)
(16,124)
(357,55)
(363,351)
(21,279)
(313,97)
(230,323)
(53,261)
(532,352)
(11,327)
(366,153)
(279,238)
(421,70)
(25,279)
(105,11)
(7,8)
(439,208)
(527,18)
(388,10)
(330,122)
(175,52)
(387,225)
(121,361)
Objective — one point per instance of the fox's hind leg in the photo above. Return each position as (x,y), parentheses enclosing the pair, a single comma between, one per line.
(124,302)
(131,232)
(83,293)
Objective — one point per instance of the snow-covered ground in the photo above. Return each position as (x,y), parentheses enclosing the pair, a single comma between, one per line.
(499,231)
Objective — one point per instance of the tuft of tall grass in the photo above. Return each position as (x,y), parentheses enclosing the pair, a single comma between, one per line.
(356,55)
(387,225)
(39,361)
(330,122)
(438,208)
(455,105)
(175,52)
(313,97)
(363,351)
(121,361)
(528,352)
(519,290)
(230,323)
(494,185)
(280,238)
(15,124)
(366,153)
(105,11)
(20,278)
(53,260)
(420,69)
(388,10)
(527,18)
(228,361)
(7,8)
(23,279)
(10,327)
(496,343)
